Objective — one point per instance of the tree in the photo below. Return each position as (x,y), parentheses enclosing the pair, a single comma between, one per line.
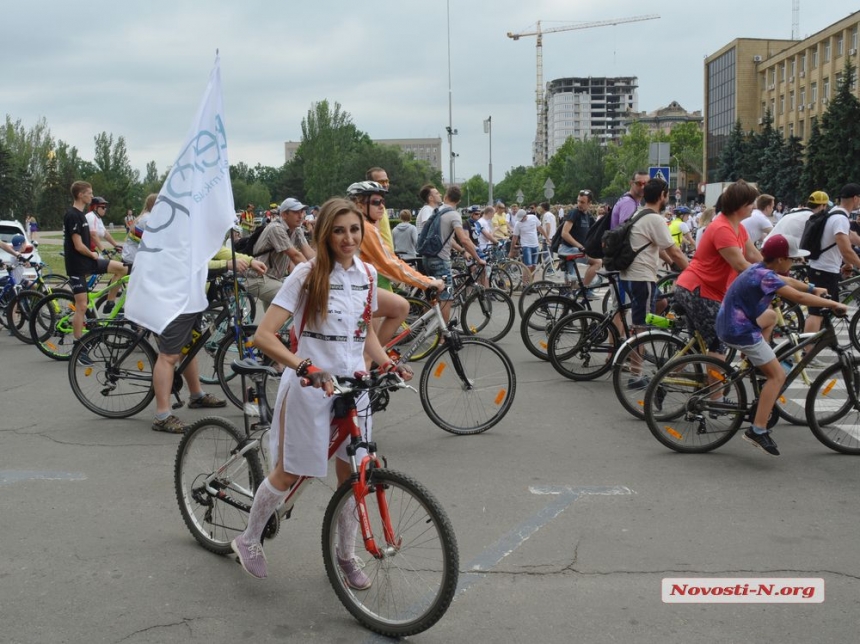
(840,134)
(814,175)
(114,178)
(8,182)
(630,155)
(30,149)
(789,176)
(576,165)
(770,155)
(733,154)
(475,191)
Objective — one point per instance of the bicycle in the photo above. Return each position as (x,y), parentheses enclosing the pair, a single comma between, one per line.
(411,551)
(696,403)
(20,305)
(467,384)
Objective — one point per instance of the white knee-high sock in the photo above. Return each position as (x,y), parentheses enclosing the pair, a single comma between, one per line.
(266,500)
(347,528)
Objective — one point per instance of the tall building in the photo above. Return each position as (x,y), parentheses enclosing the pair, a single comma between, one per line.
(663,119)
(794,79)
(593,107)
(429,150)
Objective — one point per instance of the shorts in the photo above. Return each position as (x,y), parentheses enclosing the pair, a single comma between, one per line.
(643,298)
(758,354)
(530,254)
(263,287)
(78,280)
(440,269)
(177,334)
(701,316)
(823,279)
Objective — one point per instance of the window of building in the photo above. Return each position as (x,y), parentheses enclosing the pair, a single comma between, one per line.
(782,73)
(827,50)
(763,109)
(791,129)
(772,106)
(802,128)
(825,88)
(791,101)
(782,103)
(802,95)
(854,38)
(803,62)
(813,92)
(791,67)
(773,76)
(814,57)
(840,44)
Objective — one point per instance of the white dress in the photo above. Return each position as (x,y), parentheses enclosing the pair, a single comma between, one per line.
(335,345)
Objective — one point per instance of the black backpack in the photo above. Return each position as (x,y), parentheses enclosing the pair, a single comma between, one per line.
(813,231)
(594,237)
(246,244)
(557,241)
(430,242)
(618,254)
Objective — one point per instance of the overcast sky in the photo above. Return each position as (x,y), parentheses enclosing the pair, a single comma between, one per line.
(138,69)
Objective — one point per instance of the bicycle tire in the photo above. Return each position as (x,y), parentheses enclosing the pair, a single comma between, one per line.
(51,325)
(205,447)
(835,423)
(535,291)
(107,387)
(475,381)
(18,313)
(417,308)
(854,330)
(552,272)
(539,321)
(231,382)
(519,272)
(655,350)
(414,583)
(573,341)
(488,313)
(679,411)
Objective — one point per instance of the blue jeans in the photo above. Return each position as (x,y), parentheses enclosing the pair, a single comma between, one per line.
(530,254)
(441,269)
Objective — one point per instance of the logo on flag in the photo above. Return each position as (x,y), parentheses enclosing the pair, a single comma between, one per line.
(188,223)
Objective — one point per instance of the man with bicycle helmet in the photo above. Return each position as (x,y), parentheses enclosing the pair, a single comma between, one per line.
(370,198)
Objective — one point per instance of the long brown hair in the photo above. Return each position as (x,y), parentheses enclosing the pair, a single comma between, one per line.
(316,286)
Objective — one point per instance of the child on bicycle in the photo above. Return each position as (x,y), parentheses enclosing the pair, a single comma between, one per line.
(746,320)
(331,299)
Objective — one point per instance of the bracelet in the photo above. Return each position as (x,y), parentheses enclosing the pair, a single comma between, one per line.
(810,288)
(302,369)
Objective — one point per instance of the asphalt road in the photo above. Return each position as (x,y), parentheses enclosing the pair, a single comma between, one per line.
(568,516)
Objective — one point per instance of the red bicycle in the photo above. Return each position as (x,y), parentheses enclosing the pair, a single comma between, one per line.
(411,554)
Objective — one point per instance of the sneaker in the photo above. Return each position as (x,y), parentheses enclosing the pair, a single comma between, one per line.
(206,400)
(591,295)
(659,397)
(763,441)
(641,382)
(84,359)
(353,573)
(108,307)
(170,425)
(251,556)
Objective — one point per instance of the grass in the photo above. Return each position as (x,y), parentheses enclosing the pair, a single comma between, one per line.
(50,252)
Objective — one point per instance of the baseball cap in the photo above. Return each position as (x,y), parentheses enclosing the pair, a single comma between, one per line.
(521,214)
(818,198)
(849,191)
(778,246)
(291,204)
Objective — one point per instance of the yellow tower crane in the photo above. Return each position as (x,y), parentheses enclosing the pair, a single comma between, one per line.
(539,155)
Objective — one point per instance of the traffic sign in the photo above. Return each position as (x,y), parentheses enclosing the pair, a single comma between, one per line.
(659,172)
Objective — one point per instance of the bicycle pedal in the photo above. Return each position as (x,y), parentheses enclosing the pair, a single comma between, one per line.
(177,405)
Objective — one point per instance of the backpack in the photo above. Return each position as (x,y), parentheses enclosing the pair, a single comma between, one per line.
(813,231)
(594,237)
(557,241)
(246,244)
(430,242)
(618,254)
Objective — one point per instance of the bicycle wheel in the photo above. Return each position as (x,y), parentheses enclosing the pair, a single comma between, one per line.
(467,385)
(795,320)
(535,291)
(854,330)
(831,413)
(503,280)
(115,385)
(218,516)
(51,325)
(206,355)
(539,321)
(519,272)
(227,352)
(552,272)
(488,313)
(582,344)
(414,579)
(635,365)
(417,308)
(18,313)
(691,406)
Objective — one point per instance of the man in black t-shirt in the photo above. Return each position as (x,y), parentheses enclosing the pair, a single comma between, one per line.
(574,230)
(80,260)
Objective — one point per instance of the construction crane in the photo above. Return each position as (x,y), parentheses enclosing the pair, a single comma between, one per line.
(540,138)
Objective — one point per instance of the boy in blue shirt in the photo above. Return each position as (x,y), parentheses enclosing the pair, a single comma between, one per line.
(746,321)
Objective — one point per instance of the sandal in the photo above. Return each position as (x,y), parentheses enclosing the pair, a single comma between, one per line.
(170,425)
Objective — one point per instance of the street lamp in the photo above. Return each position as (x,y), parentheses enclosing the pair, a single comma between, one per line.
(488,129)
(450,128)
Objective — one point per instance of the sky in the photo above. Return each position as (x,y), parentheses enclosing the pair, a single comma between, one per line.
(138,69)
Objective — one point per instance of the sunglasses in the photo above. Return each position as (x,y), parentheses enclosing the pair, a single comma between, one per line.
(377,202)
(384,182)
(101,207)
(585,193)
(641,184)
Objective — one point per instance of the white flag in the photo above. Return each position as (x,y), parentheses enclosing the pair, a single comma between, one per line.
(188,223)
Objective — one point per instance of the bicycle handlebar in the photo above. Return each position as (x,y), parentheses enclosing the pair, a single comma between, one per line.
(363,381)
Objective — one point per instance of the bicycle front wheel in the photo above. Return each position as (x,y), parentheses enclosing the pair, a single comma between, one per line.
(116,381)
(539,321)
(582,344)
(51,325)
(692,405)
(413,580)
(636,364)
(417,308)
(831,412)
(488,313)
(19,311)
(467,389)
(215,507)
(536,291)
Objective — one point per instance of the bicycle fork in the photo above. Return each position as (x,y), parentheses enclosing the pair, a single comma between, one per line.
(361,489)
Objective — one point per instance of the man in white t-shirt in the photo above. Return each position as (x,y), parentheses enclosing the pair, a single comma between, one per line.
(825,271)
(759,224)
(525,237)
(98,232)
(547,219)
(793,223)
(484,231)
(432,200)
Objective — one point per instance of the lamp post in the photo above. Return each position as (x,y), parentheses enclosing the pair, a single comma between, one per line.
(450,129)
(488,129)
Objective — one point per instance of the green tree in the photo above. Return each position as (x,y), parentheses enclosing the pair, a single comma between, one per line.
(30,150)
(840,134)
(115,179)
(770,156)
(578,164)
(622,160)
(733,154)
(687,144)
(475,191)
(8,182)
(789,176)
(814,175)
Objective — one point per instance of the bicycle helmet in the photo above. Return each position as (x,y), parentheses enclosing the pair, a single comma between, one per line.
(98,201)
(18,242)
(683,210)
(366,188)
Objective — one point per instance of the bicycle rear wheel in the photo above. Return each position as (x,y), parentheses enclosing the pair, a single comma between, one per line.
(19,311)
(582,344)
(830,411)
(413,582)
(488,313)
(536,291)
(539,321)
(227,352)
(417,308)
(688,409)
(467,385)
(118,382)
(218,516)
(635,365)
(51,325)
